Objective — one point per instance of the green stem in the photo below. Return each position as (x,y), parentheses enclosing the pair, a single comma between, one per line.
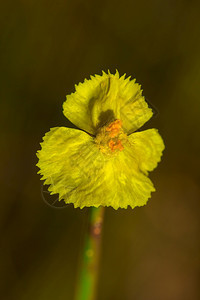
(90,265)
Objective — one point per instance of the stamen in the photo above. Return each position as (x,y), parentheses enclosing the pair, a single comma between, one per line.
(116,125)
(111,137)
(114,128)
(115,145)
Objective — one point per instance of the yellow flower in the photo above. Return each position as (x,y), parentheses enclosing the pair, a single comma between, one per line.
(107,162)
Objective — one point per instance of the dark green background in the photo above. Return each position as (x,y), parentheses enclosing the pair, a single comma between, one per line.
(149,253)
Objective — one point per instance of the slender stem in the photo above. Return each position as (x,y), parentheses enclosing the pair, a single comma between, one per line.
(90,265)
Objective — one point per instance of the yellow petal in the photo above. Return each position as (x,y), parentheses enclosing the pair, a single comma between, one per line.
(105,98)
(55,158)
(69,161)
(126,185)
(148,146)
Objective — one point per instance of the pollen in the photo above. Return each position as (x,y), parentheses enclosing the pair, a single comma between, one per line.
(115,145)
(111,138)
(114,128)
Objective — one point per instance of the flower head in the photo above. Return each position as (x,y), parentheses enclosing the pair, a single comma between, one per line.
(107,161)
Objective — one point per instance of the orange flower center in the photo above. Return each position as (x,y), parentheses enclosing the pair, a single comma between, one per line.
(111,137)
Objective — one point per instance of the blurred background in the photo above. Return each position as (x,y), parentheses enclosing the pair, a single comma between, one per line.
(47,47)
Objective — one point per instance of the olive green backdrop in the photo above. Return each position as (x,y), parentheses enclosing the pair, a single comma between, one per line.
(149,253)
